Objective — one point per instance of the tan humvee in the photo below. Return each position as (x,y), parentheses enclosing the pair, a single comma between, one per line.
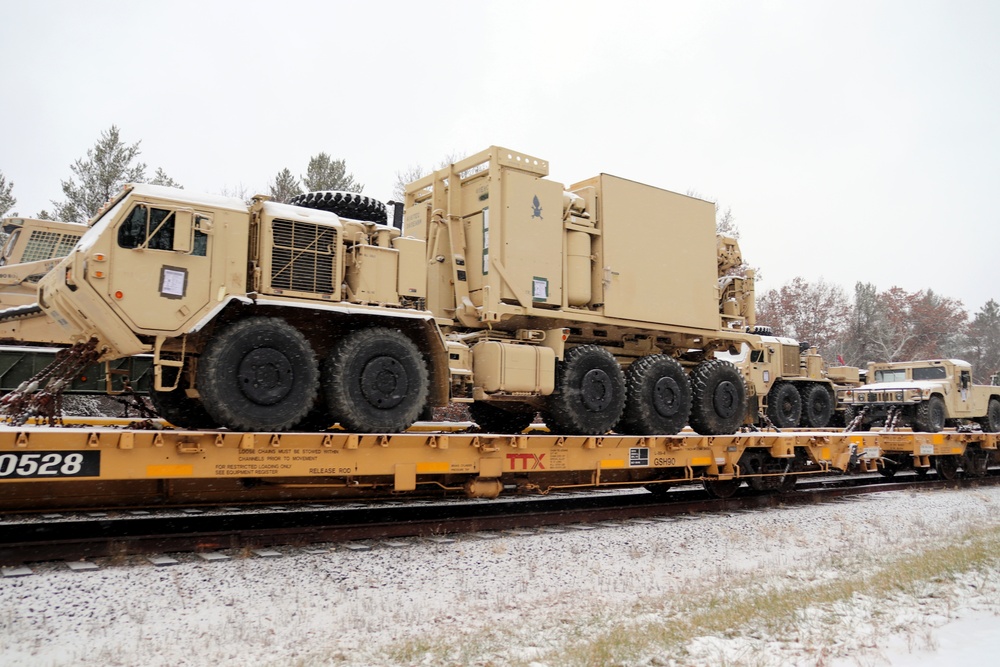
(929,395)
(504,289)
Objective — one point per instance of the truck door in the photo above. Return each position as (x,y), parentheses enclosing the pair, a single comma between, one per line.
(964,392)
(159,271)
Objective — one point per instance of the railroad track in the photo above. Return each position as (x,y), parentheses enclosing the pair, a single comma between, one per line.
(73,537)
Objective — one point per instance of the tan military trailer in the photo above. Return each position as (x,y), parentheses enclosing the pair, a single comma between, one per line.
(928,395)
(597,304)
(788,382)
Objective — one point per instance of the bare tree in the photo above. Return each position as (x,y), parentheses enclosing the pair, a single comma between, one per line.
(814,312)
(412,173)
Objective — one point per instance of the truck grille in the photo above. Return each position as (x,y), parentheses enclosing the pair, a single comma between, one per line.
(46,245)
(880,397)
(303,256)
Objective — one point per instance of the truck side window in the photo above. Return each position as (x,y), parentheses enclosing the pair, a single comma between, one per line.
(152,227)
(932,373)
(133,230)
(200,238)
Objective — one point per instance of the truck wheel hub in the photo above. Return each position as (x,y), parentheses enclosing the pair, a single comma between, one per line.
(725,399)
(383,382)
(596,390)
(665,397)
(265,376)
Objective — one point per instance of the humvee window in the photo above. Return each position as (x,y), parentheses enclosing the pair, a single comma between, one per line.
(892,375)
(153,228)
(932,373)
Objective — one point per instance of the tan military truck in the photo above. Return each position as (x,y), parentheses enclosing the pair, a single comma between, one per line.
(597,304)
(788,382)
(928,395)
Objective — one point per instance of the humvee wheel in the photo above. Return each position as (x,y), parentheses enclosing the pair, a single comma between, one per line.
(817,406)
(991,422)
(375,381)
(179,409)
(721,488)
(590,393)
(929,415)
(718,398)
(658,397)
(784,405)
(947,467)
(502,418)
(258,374)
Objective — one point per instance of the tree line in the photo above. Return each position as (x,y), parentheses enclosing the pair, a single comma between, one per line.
(112,162)
(883,325)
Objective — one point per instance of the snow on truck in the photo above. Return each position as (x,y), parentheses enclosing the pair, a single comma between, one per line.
(598,304)
(927,395)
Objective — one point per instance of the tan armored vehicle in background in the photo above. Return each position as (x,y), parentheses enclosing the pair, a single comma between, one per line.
(32,248)
(598,304)
(927,395)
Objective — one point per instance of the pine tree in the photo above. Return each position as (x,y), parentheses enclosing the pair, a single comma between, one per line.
(284,187)
(161,178)
(7,201)
(109,165)
(324,173)
(983,342)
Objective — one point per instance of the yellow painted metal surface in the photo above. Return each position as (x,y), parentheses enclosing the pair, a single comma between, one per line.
(31,454)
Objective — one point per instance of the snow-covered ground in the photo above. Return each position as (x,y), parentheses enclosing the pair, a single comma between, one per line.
(902,579)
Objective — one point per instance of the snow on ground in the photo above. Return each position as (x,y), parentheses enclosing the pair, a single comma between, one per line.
(799,585)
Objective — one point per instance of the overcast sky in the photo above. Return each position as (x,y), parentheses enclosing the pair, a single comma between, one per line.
(854,141)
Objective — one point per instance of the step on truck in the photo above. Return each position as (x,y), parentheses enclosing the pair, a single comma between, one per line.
(597,304)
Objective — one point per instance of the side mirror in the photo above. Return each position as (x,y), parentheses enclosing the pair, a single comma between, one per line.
(183,231)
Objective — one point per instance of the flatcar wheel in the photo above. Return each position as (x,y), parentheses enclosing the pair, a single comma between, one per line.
(375,381)
(975,462)
(258,374)
(721,488)
(947,467)
(590,393)
(658,490)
